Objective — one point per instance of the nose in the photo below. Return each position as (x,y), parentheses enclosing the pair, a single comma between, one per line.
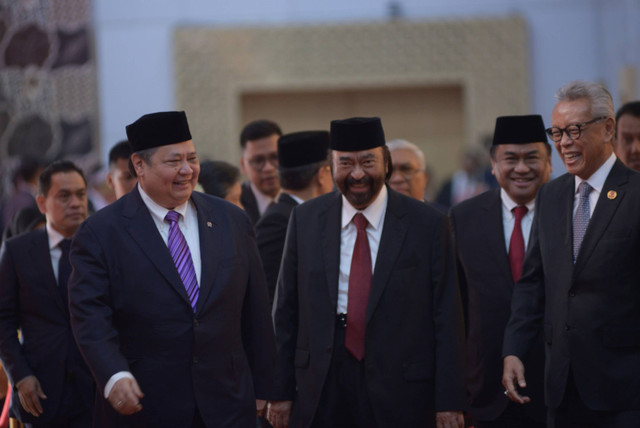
(565,140)
(521,166)
(185,168)
(357,173)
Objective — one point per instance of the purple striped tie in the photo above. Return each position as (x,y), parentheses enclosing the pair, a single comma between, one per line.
(182,258)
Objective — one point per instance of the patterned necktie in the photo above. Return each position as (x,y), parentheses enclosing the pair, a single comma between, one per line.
(516,245)
(64,269)
(359,287)
(182,258)
(581,219)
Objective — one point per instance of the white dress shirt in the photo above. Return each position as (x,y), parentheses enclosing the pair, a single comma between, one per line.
(374,214)
(263,201)
(188,224)
(509,219)
(596,181)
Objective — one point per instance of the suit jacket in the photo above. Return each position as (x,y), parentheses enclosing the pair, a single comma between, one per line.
(249,202)
(414,334)
(271,231)
(591,310)
(30,301)
(130,312)
(486,285)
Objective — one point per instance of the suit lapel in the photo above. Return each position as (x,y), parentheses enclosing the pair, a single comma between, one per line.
(493,234)
(210,231)
(602,215)
(140,225)
(39,251)
(330,221)
(391,241)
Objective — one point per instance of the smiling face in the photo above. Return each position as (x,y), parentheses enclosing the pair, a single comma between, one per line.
(521,169)
(65,204)
(171,174)
(584,155)
(359,175)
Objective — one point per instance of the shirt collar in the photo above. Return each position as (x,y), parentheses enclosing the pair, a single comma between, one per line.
(509,204)
(262,200)
(373,213)
(55,237)
(157,211)
(597,179)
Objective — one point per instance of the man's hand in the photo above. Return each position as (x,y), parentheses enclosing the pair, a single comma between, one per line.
(513,377)
(278,413)
(261,407)
(449,420)
(30,392)
(125,396)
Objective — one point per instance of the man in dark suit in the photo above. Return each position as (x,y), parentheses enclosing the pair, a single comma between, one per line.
(53,386)
(304,172)
(626,145)
(259,162)
(491,232)
(360,346)
(120,178)
(168,300)
(580,276)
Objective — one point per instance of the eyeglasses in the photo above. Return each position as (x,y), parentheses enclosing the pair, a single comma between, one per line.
(405,170)
(572,131)
(259,162)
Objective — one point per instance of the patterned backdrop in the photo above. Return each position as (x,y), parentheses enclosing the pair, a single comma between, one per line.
(48,88)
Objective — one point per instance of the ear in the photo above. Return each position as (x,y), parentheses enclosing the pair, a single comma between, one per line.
(610,129)
(242,168)
(110,180)
(138,164)
(493,166)
(41,201)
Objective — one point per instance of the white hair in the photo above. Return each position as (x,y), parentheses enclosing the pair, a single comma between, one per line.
(599,98)
(404,144)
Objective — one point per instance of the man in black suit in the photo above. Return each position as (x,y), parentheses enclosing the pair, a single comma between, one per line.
(491,232)
(168,299)
(626,145)
(367,313)
(580,276)
(304,173)
(53,387)
(259,162)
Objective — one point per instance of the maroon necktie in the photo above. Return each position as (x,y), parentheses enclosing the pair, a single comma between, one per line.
(516,245)
(359,286)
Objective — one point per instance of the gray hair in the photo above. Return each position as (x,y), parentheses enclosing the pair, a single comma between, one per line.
(404,144)
(599,98)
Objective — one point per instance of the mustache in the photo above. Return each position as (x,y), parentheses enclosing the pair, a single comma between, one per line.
(350,181)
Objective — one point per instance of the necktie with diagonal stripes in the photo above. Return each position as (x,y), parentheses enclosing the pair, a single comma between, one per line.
(182,258)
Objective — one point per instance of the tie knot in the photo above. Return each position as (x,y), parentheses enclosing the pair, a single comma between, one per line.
(584,189)
(520,211)
(172,217)
(65,245)
(360,221)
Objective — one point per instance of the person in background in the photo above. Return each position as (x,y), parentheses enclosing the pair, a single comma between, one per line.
(53,386)
(627,142)
(259,162)
(409,174)
(25,189)
(121,178)
(465,183)
(221,179)
(499,223)
(304,173)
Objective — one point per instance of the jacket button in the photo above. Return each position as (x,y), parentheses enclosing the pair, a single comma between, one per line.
(572,293)
(196,323)
(567,327)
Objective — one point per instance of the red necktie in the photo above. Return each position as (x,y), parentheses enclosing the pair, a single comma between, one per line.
(516,245)
(359,286)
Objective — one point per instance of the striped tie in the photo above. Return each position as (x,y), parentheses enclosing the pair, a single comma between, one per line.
(581,219)
(182,258)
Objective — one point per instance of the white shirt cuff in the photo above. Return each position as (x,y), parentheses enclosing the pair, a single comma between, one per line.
(112,381)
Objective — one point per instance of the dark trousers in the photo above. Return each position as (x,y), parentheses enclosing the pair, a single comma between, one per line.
(573,413)
(71,412)
(344,402)
(514,416)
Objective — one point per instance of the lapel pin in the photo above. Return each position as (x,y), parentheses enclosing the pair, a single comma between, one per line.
(209,224)
(612,194)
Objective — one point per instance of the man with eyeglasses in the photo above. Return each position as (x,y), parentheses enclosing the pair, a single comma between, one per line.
(259,162)
(304,173)
(627,142)
(580,278)
(409,175)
